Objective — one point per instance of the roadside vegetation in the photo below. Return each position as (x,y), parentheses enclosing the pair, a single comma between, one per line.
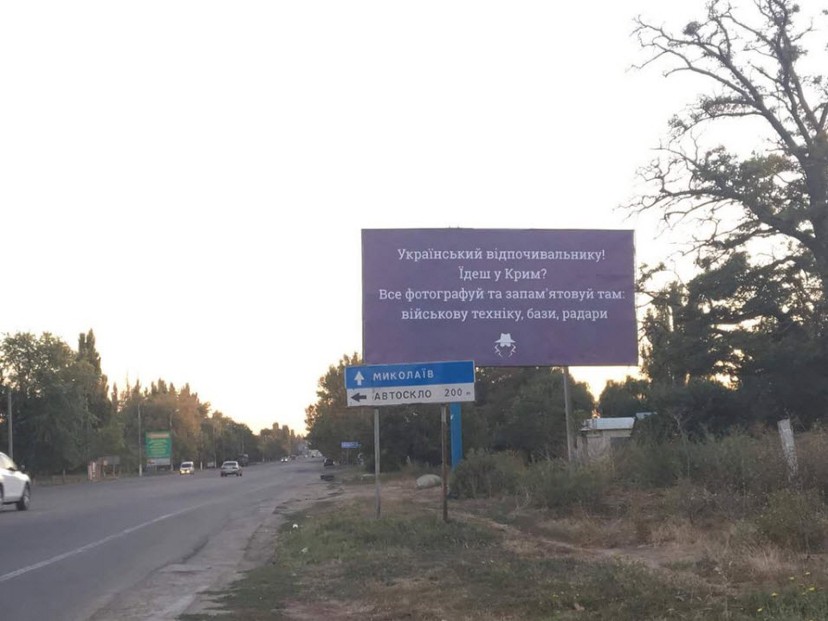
(722,533)
(66,414)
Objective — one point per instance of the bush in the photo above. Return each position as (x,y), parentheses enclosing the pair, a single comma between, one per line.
(556,485)
(738,463)
(649,464)
(811,449)
(484,475)
(795,520)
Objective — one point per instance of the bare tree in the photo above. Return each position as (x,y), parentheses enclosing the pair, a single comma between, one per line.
(761,60)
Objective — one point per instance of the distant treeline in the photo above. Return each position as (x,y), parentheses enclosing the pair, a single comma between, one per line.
(65,414)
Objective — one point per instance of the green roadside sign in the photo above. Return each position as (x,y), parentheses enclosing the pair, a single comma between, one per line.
(158,448)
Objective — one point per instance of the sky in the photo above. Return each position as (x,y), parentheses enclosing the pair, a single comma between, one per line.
(190,179)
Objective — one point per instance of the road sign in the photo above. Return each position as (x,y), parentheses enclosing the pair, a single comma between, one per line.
(349,445)
(376,385)
(158,448)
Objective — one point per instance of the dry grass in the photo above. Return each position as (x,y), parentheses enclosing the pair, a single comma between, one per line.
(499,560)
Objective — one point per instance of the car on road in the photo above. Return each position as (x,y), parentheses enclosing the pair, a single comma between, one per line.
(15,485)
(186,467)
(231,468)
(284,459)
(328,463)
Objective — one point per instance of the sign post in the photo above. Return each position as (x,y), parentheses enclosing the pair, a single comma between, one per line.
(407,384)
(377,459)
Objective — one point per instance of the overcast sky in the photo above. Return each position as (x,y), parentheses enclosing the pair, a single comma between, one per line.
(190,179)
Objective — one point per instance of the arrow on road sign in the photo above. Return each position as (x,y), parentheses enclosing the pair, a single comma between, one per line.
(359,378)
(359,397)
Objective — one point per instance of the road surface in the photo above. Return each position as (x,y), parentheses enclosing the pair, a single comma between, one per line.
(137,548)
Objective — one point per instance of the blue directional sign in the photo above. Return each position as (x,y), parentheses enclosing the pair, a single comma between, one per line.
(376,385)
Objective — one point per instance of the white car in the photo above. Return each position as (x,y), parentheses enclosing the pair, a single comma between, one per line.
(187,467)
(15,486)
(231,468)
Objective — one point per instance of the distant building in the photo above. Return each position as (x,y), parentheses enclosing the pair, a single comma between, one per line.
(598,436)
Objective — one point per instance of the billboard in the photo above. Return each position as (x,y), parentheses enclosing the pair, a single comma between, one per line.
(500,297)
(158,448)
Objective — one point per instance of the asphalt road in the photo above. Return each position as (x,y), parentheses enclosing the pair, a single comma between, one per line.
(83,546)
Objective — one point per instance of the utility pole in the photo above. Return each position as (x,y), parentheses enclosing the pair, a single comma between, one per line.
(140,457)
(9,410)
(171,440)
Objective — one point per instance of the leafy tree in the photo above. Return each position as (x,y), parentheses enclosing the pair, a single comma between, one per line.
(527,412)
(748,326)
(627,398)
(50,410)
(329,421)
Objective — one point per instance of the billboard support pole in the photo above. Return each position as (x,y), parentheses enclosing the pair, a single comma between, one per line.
(377,458)
(568,411)
(443,433)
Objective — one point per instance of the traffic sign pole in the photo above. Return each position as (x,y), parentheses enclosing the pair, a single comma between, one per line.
(377,458)
(456,435)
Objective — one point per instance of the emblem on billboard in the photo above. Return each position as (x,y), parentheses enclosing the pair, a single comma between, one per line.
(505,346)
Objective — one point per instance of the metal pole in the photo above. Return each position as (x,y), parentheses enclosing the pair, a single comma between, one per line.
(140,456)
(443,433)
(456,435)
(568,410)
(377,458)
(11,442)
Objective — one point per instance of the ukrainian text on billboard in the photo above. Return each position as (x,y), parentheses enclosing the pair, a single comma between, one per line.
(500,297)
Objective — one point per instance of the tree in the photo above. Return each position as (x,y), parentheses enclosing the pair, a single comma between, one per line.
(627,398)
(755,59)
(100,428)
(746,329)
(524,410)
(51,414)
(329,421)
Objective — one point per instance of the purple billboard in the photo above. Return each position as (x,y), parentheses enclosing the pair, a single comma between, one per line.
(499,297)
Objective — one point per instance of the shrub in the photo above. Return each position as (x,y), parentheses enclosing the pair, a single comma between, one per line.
(811,449)
(484,475)
(795,520)
(649,464)
(555,485)
(738,463)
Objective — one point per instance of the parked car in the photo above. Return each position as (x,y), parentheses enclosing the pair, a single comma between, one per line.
(15,486)
(186,467)
(231,468)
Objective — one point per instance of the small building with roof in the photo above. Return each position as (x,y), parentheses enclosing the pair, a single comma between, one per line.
(599,436)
